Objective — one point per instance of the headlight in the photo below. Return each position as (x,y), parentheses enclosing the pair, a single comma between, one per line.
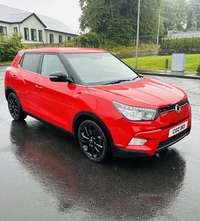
(136,113)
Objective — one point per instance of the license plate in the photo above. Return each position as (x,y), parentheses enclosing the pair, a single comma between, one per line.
(178,129)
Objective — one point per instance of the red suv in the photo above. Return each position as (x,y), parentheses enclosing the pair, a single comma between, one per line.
(100,100)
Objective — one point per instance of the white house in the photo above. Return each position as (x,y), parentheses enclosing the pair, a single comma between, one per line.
(34,28)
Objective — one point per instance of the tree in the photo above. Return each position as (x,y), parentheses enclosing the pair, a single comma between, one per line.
(174,14)
(181,15)
(116,21)
(193,15)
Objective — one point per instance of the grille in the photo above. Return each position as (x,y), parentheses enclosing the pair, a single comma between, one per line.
(173,139)
(172,107)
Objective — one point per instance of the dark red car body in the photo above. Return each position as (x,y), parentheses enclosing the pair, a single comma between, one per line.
(66,103)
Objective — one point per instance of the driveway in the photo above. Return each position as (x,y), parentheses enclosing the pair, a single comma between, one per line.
(45,177)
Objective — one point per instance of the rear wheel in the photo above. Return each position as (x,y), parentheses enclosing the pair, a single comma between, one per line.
(14,107)
(93,141)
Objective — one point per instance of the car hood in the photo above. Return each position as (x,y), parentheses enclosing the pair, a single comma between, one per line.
(145,92)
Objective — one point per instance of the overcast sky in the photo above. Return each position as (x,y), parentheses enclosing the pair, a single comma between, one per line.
(66,11)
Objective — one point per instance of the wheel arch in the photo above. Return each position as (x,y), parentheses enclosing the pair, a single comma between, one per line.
(8,91)
(14,105)
(80,117)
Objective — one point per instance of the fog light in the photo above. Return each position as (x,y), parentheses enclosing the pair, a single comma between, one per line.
(137,141)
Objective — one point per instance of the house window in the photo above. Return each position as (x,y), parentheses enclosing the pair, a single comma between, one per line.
(40,35)
(33,35)
(51,38)
(69,38)
(3,31)
(60,38)
(26,34)
(15,29)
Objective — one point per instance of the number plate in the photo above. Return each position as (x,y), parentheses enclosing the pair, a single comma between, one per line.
(177,129)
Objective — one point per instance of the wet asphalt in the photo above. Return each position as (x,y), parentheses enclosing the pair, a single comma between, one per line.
(45,177)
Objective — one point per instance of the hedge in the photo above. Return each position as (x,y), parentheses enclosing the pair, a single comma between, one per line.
(180,45)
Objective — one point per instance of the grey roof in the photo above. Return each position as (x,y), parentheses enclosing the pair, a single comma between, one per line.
(55,25)
(16,18)
(8,14)
(14,15)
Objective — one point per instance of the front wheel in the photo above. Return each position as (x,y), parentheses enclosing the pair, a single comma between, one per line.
(93,141)
(14,107)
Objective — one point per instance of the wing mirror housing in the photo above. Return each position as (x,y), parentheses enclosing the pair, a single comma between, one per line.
(59,77)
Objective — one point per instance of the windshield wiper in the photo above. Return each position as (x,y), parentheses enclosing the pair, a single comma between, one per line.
(121,80)
(135,78)
(118,81)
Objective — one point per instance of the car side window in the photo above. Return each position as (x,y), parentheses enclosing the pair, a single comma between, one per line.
(51,63)
(30,62)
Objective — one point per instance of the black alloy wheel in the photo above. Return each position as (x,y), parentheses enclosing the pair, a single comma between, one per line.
(14,107)
(93,141)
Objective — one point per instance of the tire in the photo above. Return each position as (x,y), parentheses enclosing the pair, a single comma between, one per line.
(92,141)
(15,108)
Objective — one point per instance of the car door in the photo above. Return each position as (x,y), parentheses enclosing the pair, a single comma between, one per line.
(29,67)
(53,98)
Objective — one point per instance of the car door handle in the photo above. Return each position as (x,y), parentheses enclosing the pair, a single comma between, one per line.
(14,76)
(39,87)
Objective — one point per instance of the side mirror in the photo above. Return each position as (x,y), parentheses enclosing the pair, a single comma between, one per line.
(59,77)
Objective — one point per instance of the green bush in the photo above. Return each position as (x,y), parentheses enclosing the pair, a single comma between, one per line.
(90,39)
(180,43)
(9,46)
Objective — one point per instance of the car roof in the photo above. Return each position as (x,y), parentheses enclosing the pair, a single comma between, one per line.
(61,50)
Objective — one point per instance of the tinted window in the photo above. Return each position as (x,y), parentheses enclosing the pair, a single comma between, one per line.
(30,62)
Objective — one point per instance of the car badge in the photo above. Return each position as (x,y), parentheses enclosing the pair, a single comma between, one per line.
(177,109)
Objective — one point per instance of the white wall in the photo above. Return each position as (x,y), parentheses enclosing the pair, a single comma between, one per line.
(33,23)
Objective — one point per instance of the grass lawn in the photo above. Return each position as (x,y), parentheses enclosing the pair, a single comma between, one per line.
(158,62)
(6,63)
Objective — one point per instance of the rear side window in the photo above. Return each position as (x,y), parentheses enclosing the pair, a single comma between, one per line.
(30,62)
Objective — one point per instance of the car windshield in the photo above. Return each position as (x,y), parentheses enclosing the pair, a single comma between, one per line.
(100,68)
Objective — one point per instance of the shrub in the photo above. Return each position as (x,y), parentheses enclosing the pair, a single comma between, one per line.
(9,46)
(90,39)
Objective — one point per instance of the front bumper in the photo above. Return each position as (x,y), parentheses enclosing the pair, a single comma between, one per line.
(169,128)
(152,146)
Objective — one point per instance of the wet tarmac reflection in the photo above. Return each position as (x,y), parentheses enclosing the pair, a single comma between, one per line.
(114,190)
